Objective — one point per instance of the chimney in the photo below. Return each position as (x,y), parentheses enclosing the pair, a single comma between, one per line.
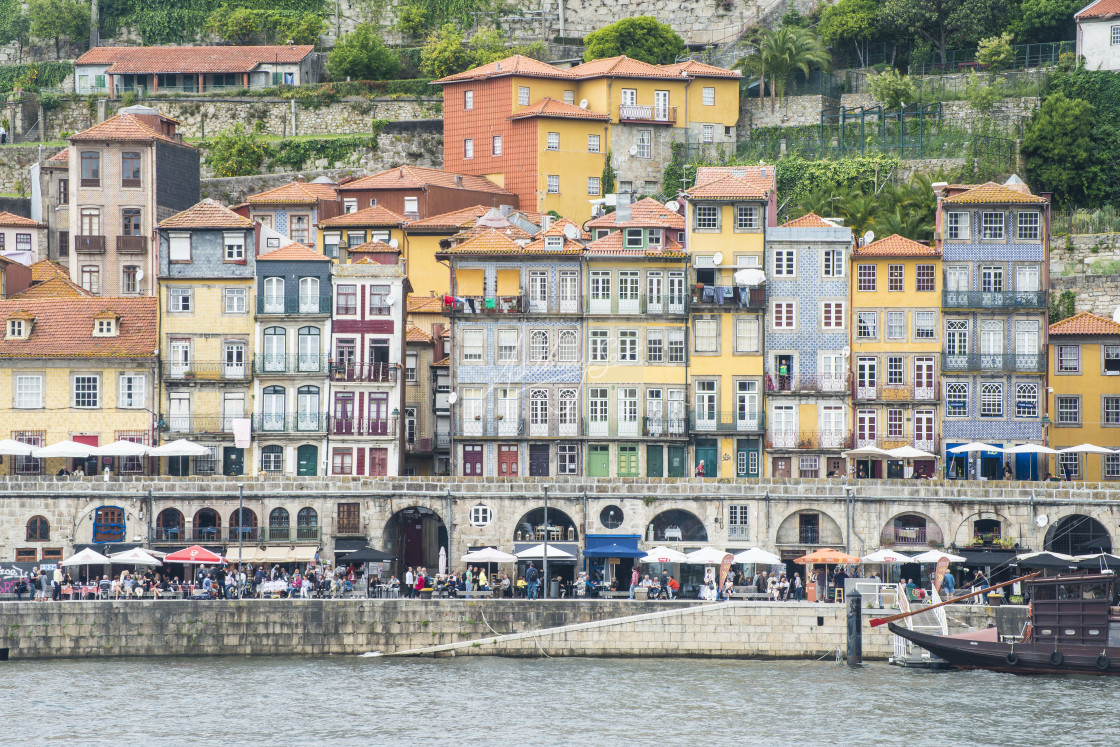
(622,210)
(458,180)
(505,210)
(546,222)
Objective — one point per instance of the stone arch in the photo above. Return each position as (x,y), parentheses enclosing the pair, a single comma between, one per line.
(170,525)
(676,525)
(531,525)
(810,527)
(911,529)
(415,535)
(1078,534)
(981,523)
(243,521)
(206,525)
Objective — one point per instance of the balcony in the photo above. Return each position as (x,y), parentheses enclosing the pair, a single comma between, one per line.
(927,536)
(180,424)
(931,445)
(640,304)
(777,384)
(1032,363)
(307,422)
(808,440)
(666,115)
(443,440)
(809,535)
(418,446)
(279,305)
(729,297)
(266,363)
(488,305)
(725,422)
(386,426)
(374,372)
(89,244)
(194,371)
(881,392)
(132,244)
(481,428)
(647,427)
(739,533)
(993,299)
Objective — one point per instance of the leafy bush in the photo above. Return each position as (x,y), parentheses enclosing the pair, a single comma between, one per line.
(983,94)
(361,55)
(893,89)
(996,52)
(447,52)
(237,152)
(641,37)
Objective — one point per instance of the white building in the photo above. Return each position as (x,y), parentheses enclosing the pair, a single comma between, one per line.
(1098,35)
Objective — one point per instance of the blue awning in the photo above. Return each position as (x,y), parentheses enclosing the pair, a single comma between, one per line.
(613,546)
(614,551)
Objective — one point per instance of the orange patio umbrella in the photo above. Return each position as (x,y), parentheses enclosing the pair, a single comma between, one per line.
(828,556)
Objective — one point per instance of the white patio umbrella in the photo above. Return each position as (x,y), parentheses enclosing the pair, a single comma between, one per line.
(932,556)
(707,556)
(536,552)
(758,557)
(1030,449)
(182,447)
(490,555)
(664,554)
(64,449)
(974,446)
(135,556)
(11,447)
(887,556)
(121,448)
(87,556)
(442,560)
(1086,449)
(866,452)
(909,452)
(749,276)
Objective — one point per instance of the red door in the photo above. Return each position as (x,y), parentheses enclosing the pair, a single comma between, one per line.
(344,414)
(472,460)
(378,414)
(378,461)
(507,460)
(412,540)
(89,466)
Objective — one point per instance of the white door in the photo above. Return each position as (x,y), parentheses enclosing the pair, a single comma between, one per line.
(782,432)
(506,411)
(655,412)
(628,302)
(179,417)
(676,424)
(273,419)
(235,360)
(600,292)
(866,428)
(746,405)
(706,417)
(661,105)
(274,295)
(628,411)
(307,409)
(538,291)
(676,292)
(180,357)
(274,349)
(309,349)
(867,378)
(924,387)
(923,430)
(832,427)
(1026,345)
(833,372)
(568,416)
(597,412)
(569,292)
(991,344)
(655,293)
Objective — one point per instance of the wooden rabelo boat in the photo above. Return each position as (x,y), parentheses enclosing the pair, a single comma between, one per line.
(1072,628)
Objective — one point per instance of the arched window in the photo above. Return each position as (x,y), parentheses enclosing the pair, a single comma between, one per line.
(272,459)
(275,356)
(38,529)
(108,524)
(279,525)
(307,409)
(207,525)
(309,296)
(169,524)
(310,358)
(272,418)
(244,525)
(274,295)
(307,524)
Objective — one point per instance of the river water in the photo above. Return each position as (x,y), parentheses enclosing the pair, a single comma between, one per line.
(585,702)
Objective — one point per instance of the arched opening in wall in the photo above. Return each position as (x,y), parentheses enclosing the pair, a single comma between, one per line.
(169,525)
(38,529)
(911,531)
(279,525)
(1078,535)
(676,525)
(243,527)
(207,526)
(529,534)
(307,525)
(802,532)
(414,535)
(531,527)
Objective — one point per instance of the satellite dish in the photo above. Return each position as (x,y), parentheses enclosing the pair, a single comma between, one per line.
(633,150)
(583,103)
(571,232)
(673,205)
(452,398)
(846,352)
(868,237)
(139,275)
(717,258)
(394,243)
(1041,520)
(390,299)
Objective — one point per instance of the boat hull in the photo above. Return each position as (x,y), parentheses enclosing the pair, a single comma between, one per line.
(1016,658)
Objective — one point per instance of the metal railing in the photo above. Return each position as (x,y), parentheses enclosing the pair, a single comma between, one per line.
(443,440)
(348,526)
(286,363)
(993,299)
(1101,220)
(482,428)
(792,383)
(931,445)
(386,426)
(808,535)
(199,423)
(916,536)
(378,372)
(294,304)
(132,244)
(273,422)
(418,446)
(1032,363)
(89,244)
(895,392)
(640,304)
(643,427)
(196,371)
(639,113)
(730,296)
(738,533)
(178,535)
(488,305)
(725,422)
(790,439)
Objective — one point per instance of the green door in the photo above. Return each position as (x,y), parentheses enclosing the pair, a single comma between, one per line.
(655,462)
(307,460)
(746,457)
(676,461)
(598,460)
(707,451)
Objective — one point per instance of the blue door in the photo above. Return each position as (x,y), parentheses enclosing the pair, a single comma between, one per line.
(1026,467)
(956,465)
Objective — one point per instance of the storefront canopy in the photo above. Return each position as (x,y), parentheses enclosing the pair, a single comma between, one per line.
(614,551)
(366,555)
(613,546)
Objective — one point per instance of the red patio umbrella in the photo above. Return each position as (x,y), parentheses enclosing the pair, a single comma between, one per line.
(195,554)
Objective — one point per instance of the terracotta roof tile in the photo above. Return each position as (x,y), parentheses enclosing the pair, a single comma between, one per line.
(1100,9)
(232,59)
(727,188)
(515,65)
(294,252)
(896,246)
(446,361)
(764,177)
(490,242)
(207,214)
(702,70)
(809,220)
(125,127)
(63,328)
(374,247)
(425,305)
(55,286)
(550,107)
(558,226)
(415,334)
(646,213)
(415,177)
(622,66)
(512,231)
(567,246)
(463,218)
(611,244)
(294,193)
(375,215)
(63,156)
(1085,324)
(993,194)
(44,270)
(11,219)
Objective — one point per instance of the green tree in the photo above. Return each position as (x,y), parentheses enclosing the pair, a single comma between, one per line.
(607,180)
(490,45)
(781,54)
(361,55)
(55,20)
(299,28)
(944,23)
(240,25)
(15,26)
(414,20)
(983,92)
(445,53)
(1066,151)
(893,89)
(641,37)
(996,52)
(237,152)
(1046,20)
(854,22)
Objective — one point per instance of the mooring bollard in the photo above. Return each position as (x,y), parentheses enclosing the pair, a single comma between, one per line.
(855,629)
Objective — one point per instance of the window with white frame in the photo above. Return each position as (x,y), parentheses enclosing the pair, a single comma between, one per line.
(747,217)
(1110,410)
(593,188)
(87,390)
(523,95)
(1111,360)
(538,345)
(468,147)
(833,263)
(991,225)
(708,95)
(832,315)
(567,346)
(707,335)
(957,278)
(709,133)
(655,346)
(554,184)
(867,325)
(235,246)
(785,262)
(567,458)
(29,391)
(236,300)
(1110,463)
(924,323)
(746,335)
(181,300)
(809,466)
(896,325)
(1070,464)
(481,515)
(1069,410)
(1028,226)
(496,145)
(895,278)
(645,144)
(956,226)
(991,278)
(1026,400)
(507,345)
(1115,36)
(956,337)
(894,423)
(865,277)
(1069,358)
(474,344)
(991,400)
(926,279)
(653,236)
(131,393)
(895,370)
(468,100)
(593,143)
(598,345)
(634,238)
(676,346)
(956,399)
(783,315)
(628,346)
(179,247)
(569,96)
(707,217)
(552,141)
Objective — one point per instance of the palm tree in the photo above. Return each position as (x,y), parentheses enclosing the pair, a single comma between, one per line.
(859,210)
(782,53)
(912,225)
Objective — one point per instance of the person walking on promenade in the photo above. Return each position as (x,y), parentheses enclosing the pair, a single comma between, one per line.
(409,582)
(220,577)
(470,578)
(531,577)
(797,588)
(56,584)
(634,580)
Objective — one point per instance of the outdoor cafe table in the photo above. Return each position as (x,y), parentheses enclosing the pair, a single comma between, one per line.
(273,587)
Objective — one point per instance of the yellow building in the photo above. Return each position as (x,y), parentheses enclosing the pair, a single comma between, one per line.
(422,241)
(207,260)
(635,326)
(1084,395)
(726,223)
(895,328)
(346,231)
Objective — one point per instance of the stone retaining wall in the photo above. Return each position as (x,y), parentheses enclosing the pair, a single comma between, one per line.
(1099,294)
(1087,249)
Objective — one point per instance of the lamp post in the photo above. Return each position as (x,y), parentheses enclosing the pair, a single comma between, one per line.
(240,522)
(545,564)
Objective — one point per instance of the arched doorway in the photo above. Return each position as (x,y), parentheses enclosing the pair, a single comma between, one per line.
(1078,535)
(415,535)
(530,532)
(531,528)
(802,532)
(169,525)
(911,530)
(207,526)
(676,525)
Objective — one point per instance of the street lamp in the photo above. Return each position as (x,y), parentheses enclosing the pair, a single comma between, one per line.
(240,522)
